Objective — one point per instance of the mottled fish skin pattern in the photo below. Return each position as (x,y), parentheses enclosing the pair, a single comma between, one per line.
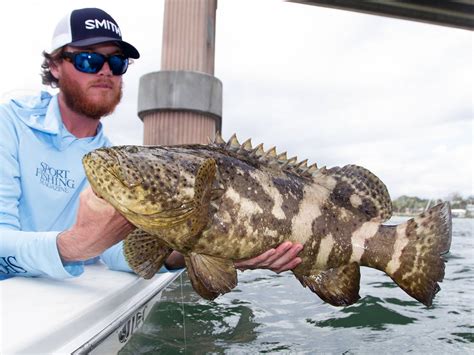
(228,201)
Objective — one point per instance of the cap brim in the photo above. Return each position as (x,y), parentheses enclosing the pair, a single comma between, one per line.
(128,50)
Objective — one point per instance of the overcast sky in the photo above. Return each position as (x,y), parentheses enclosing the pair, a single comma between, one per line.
(332,86)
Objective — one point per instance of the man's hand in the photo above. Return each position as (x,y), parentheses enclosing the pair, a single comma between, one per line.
(279,259)
(98,226)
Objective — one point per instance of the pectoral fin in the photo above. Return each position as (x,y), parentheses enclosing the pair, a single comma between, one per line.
(337,286)
(145,253)
(204,181)
(203,193)
(210,276)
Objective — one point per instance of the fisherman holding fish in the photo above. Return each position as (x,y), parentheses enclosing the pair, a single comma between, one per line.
(51,223)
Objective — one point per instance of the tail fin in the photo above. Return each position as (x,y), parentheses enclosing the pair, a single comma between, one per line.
(416,264)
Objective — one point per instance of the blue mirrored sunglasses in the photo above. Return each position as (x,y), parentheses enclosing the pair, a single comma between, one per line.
(92,62)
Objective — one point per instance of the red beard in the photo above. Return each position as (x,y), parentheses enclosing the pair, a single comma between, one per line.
(78,101)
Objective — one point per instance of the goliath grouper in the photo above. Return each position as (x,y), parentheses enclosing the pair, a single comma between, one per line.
(227,201)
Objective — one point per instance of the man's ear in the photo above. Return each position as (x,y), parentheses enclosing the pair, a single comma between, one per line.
(54,69)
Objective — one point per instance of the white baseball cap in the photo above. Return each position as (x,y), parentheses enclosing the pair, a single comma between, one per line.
(89,26)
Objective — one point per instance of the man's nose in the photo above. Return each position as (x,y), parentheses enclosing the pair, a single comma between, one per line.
(105,70)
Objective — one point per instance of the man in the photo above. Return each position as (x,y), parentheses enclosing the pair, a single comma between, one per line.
(51,223)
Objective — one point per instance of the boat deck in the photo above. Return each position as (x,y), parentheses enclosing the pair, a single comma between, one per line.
(99,309)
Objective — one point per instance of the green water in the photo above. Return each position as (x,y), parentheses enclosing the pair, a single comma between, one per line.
(270,313)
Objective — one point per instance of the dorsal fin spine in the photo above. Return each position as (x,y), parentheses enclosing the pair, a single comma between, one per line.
(292,161)
(312,168)
(271,153)
(233,143)
(270,156)
(302,165)
(218,139)
(247,145)
(258,151)
(282,157)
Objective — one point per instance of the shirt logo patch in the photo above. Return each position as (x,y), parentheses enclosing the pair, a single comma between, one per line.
(8,265)
(54,178)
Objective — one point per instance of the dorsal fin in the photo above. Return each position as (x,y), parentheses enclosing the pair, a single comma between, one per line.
(270,157)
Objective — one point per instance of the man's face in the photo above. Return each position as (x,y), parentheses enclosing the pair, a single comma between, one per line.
(93,95)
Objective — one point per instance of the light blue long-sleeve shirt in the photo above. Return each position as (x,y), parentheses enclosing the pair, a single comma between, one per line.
(41,177)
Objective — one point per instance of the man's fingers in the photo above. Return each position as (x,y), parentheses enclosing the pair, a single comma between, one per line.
(283,258)
(256,262)
(280,251)
(288,266)
(287,258)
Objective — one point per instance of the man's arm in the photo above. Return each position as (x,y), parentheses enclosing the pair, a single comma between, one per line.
(98,227)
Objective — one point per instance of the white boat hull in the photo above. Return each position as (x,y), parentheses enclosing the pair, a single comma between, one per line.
(94,313)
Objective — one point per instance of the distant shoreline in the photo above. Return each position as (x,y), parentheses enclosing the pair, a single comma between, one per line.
(400,214)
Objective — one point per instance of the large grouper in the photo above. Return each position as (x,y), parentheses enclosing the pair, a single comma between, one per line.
(227,201)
